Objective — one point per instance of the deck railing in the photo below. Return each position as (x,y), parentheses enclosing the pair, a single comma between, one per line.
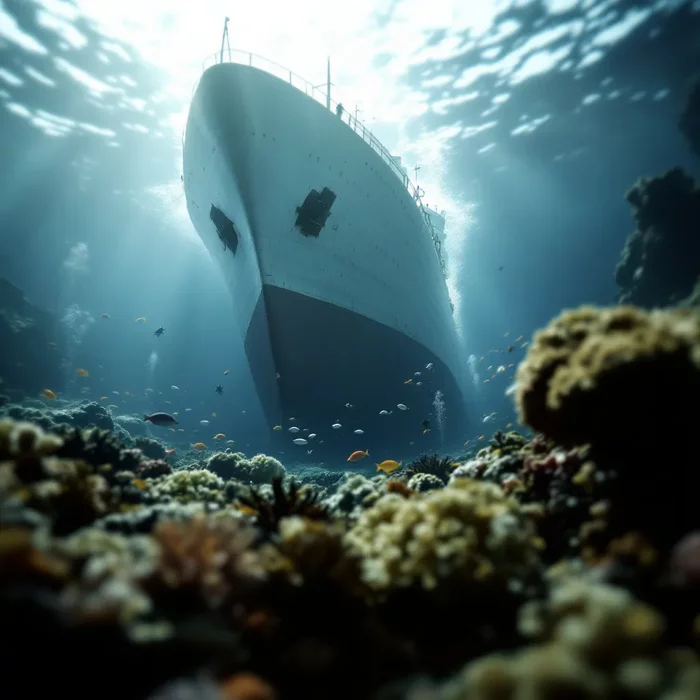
(318,93)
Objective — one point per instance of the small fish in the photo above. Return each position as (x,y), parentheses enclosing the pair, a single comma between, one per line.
(291,420)
(510,348)
(426,431)
(170,451)
(279,376)
(509,425)
(199,446)
(312,435)
(336,426)
(116,393)
(187,410)
(486,381)
(105,316)
(127,393)
(525,344)
(219,436)
(159,419)
(277,427)
(416,374)
(204,422)
(467,442)
(419,383)
(139,484)
(409,381)
(402,406)
(176,414)
(245,509)
(308,452)
(359,432)
(53,345)
(141,319)
(300,441)
(113,407)
(489,368)
(383,412)
(429,366)
(305,430)
(82,372)
(506,334)
(357,455)
(230,442)
(219,389)
(48,394)
(180,430)
(501,368)
(349,405)
(388,466)
(226,371)
(174,387)
(426,423)
(294,429)
(159,331)
(104,398)
(213,414)
(519,338)
(481,437)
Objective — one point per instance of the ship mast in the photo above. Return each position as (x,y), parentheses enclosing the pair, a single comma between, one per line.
(328,82)
(225,38)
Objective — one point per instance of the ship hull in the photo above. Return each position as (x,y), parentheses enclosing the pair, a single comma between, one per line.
(345,310)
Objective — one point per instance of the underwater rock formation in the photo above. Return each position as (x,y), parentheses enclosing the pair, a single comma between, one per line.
(28,363)
(689,122)
(660,262)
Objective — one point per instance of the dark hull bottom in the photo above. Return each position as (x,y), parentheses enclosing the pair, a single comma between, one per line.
(328,356)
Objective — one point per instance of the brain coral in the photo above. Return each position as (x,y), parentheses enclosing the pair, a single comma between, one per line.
(614,377)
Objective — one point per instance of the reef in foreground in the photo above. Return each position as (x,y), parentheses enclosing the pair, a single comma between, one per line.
(563,566)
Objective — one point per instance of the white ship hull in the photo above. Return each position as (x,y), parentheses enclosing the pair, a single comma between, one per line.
(345,316)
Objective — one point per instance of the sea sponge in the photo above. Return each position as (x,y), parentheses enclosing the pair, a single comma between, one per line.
(469,531)
(259,469)
(611,376)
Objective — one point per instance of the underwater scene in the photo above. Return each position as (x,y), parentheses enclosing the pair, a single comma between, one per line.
(376,384)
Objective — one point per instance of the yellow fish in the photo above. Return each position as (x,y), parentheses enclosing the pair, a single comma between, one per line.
(48,394)
(277,427)
(141,319)
(82,372)
(388,466)
(199,446)
(139,484)
(219,436)
(357,455)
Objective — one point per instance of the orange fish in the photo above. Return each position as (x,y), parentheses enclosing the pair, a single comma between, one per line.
(169,452)
(246,510)
(219,436)
(139,484)
(82,372)
(357,455)
(388,466)
(48,394)
(199,446)
(226,371)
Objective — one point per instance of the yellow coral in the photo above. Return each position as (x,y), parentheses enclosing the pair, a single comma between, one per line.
(469,530)
(606,375)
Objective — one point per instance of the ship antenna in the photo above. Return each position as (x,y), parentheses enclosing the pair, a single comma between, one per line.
(225,38)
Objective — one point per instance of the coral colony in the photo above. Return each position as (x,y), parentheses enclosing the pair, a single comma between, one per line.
(562,565)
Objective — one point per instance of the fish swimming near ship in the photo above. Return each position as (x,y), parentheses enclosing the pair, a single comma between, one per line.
(160,418)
